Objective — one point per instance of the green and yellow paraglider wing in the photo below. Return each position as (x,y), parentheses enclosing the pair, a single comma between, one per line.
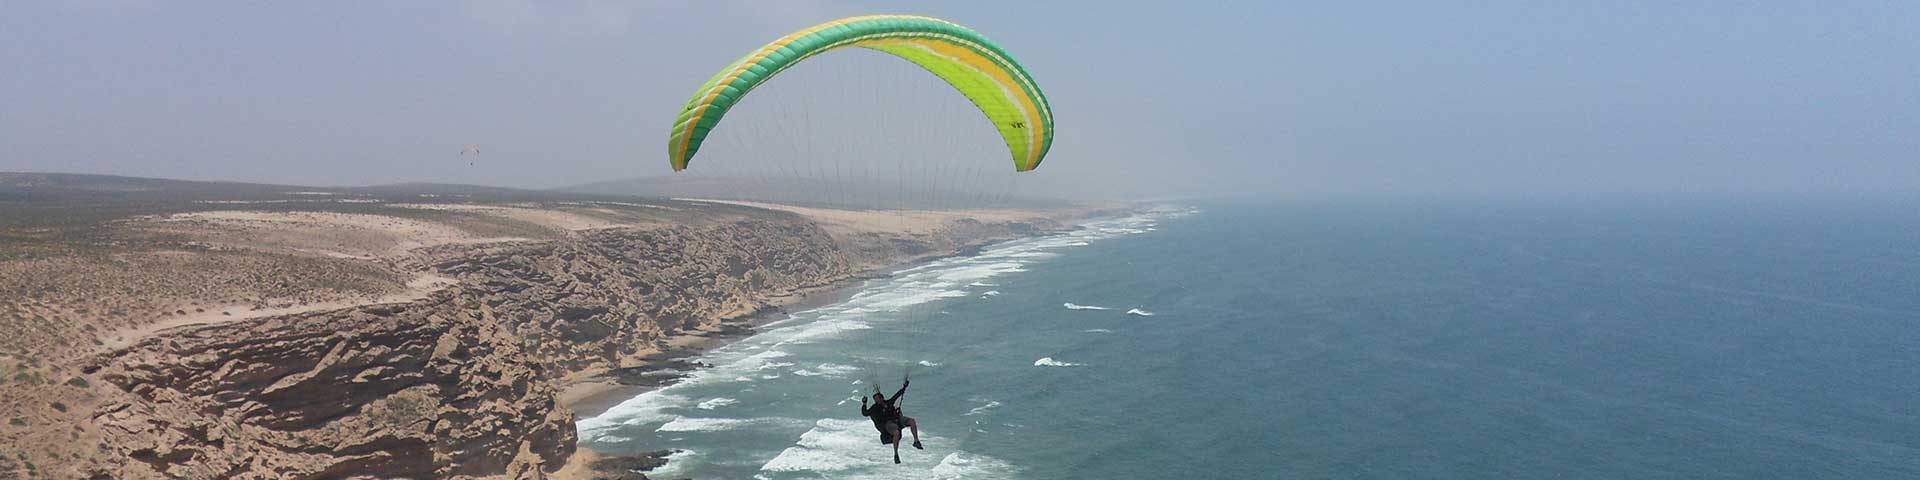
(975,66)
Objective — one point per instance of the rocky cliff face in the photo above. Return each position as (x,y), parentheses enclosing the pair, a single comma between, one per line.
(434,388)
(460,384)
(608,295)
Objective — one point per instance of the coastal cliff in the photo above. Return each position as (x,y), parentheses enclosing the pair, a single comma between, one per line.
(461,382)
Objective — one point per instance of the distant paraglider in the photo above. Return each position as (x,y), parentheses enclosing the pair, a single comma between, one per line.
(470,150)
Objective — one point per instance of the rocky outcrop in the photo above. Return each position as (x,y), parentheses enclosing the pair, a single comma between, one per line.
(460,384)
(608,295)
(627,467)
(435,388)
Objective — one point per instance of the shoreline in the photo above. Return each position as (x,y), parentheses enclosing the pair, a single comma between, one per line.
(592,394)
(596,393)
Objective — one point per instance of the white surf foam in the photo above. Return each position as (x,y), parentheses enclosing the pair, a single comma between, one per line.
(692,424)
(977,272)
(1050,362)
(1072,306)
(679,461)
(1139,312)
(964,465)
(716,402)
(832,445)
(908,298)
(982,408)
(836,370)
(849,449)
(1097,330)
(825,327)
(990,293)
(1034,255)
(640,410)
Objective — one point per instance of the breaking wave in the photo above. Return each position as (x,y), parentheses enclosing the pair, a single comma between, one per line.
(691,424)
(850,449)
(982,409)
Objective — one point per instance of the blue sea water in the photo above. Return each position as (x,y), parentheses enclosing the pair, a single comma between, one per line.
(1601,340)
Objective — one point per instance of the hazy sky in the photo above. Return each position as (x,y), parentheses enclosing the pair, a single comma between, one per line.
(1310,97)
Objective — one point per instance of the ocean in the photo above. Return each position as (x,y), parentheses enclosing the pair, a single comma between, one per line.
(1682,339)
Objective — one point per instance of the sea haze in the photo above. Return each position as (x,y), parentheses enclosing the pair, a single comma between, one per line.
(1455,340)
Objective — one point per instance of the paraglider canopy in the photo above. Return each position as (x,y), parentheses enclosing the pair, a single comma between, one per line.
(975,66)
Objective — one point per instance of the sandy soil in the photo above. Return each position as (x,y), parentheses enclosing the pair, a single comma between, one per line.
(379,239)
(534,214)
(578,466)
(339,235)
(419,287)
(890,221)
(591,397)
